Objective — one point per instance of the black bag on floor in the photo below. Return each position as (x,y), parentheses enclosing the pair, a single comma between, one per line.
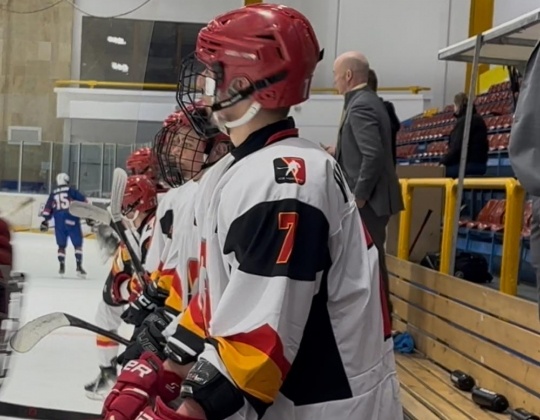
(469,266)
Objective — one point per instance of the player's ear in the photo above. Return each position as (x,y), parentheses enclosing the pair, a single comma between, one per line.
(237,85)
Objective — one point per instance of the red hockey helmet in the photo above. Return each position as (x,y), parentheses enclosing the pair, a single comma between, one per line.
(140,195)
(142,162)
(182,153)
(273,46)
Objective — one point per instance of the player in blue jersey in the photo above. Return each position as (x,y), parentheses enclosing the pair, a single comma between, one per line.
(65,224)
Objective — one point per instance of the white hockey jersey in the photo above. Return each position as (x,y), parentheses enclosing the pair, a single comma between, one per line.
(181,261)
(140,241)
(161,236)
(289,294)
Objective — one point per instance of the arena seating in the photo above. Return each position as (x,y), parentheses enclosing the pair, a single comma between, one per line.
(424,139)
(458,325)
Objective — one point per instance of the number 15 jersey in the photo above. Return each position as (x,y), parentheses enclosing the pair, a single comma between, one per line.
(57,205)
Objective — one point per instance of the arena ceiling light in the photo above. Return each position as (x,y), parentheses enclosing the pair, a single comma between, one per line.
(118,40)
(124,68)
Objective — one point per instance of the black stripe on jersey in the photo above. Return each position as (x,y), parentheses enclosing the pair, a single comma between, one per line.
(166,223)
(317,374)
(280,238)
(340,179)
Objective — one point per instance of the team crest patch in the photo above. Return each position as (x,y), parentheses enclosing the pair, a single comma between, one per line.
(290,170)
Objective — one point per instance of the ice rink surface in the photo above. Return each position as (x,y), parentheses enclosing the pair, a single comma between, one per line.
(53,373)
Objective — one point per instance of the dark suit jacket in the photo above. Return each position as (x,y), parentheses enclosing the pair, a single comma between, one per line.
(524,147)
(478,148)
(364,151)
(395,125)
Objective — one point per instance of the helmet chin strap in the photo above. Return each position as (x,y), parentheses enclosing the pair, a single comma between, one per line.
(225,126)
(131,221)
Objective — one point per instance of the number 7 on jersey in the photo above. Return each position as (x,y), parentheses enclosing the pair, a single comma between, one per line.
(287,221)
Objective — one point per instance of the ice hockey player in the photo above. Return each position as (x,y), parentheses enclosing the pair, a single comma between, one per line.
(290,319)
(144,162)
(141,162)
(138,206)
(65,224)
(182,154)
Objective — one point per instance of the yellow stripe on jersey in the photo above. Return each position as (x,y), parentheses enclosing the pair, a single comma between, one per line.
(165,280)
(242,361)
(125,253)
(174,301)
(192,318)
(155,275)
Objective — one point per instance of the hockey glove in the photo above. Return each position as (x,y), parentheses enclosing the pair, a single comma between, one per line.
(138,384)
(150,299)
(148,338)
(162,412)
(44,227)
(116,291)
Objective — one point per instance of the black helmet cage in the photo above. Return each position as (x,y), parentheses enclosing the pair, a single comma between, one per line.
(189,93)
(170,145)
(190,90)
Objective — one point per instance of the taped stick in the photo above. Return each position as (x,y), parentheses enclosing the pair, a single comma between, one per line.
(117,196)
(26,337)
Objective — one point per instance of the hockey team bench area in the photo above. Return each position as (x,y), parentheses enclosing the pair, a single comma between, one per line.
(459,325)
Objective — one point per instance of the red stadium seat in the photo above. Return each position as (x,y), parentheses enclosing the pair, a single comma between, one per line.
(483,216)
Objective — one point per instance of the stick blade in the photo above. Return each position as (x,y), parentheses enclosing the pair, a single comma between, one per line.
(32,332)
(119,183)
(89,211)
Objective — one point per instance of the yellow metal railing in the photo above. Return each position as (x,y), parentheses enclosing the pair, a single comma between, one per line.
(93,84)
(513,218)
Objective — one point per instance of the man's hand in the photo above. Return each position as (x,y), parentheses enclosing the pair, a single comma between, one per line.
(44,226)
(360,203)
(138,384)
(331,150)
(148,337)
(151,298)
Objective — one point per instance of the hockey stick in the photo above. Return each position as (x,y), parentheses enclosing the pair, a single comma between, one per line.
(117,196)
(32,332)
(19,411)
(19,207)
(90,211)
(422,227)
(13,291)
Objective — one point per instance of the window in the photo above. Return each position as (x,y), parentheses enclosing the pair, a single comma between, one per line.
(136,51)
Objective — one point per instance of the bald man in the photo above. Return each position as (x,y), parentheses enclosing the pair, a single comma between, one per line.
(364,150)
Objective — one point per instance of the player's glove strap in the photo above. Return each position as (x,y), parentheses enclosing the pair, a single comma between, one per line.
(217,396)
(150,299)
(149,337)
(184,347)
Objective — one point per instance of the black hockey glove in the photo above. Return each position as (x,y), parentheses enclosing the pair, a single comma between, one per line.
(148,337)
(148,301)
(44,227)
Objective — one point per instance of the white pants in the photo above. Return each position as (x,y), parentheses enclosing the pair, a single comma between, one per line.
(109,318)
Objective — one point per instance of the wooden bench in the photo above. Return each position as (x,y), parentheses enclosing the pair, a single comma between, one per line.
(459,325)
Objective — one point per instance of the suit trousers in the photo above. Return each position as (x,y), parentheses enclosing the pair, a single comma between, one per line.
(535,243)
(376,226)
